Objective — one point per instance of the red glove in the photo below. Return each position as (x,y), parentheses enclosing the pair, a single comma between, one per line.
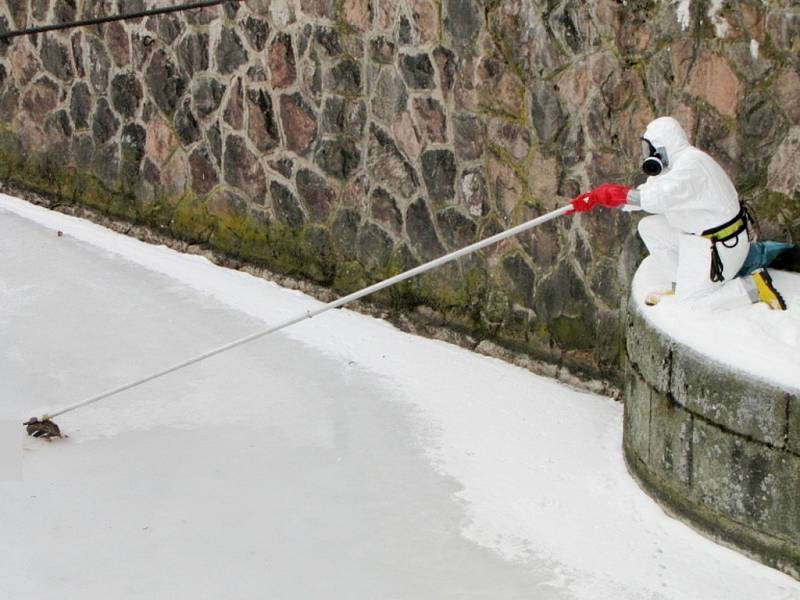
(610,195)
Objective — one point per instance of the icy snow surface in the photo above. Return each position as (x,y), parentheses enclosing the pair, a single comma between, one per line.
(754,339)
(338,459)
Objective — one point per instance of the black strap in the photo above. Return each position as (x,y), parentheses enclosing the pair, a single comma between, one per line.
(716,264)
(753,231)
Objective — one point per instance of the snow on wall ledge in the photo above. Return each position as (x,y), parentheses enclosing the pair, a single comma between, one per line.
(719,448)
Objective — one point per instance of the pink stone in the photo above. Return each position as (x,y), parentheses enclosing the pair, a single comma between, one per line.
(24,64)
(753,19)
(355,192)
(713,80)
(281,62)
(543,177)
(175,174)
(261,126)
(682,53)
(499,91)
(431,120)
(509,93)
(788,91)
(408,138)
(686,115)
(387,13)
(357,13)
(160,142)
(426,18)
(783,175)
(574,84)
(299,124)
(40,100)
(118,43)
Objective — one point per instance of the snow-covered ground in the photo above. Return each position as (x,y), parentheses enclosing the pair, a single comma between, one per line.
(338,459)
(751,338)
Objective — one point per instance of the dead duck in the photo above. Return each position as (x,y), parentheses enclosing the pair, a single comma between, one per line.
(43,428)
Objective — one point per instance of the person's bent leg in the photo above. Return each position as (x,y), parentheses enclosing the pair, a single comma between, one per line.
(661,240)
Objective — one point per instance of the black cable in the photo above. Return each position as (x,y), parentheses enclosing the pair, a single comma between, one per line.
(109,19)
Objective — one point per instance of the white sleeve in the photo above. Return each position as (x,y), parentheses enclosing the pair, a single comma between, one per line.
(670,190)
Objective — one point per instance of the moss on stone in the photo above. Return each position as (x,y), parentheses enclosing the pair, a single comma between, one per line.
(190,221)
(572,332)
(350,277)
(318,254)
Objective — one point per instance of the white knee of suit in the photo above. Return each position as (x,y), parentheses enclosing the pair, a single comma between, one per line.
(661,240)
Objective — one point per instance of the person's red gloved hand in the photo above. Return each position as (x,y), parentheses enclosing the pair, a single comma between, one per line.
(610,195)
(582,203)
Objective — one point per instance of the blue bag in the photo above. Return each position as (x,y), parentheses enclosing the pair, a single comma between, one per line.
(762,254)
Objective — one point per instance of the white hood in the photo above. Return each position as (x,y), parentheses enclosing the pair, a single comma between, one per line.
(666,132)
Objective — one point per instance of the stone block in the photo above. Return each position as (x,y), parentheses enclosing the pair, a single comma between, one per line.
(418,71)
(421,231)
(457,229)
(388,166)
(463,24)
(384,209)
(636,430)
(193,53)
(229,52)
(439,173)
(299,123)
(286,206)
(282,62)
(649,350)
(746,406)
(794,425)
(338,158)
(670,439)
(746,481)
(317,196)
(165,83)
(782,174)
(242,168)
(713,80)
(373,248)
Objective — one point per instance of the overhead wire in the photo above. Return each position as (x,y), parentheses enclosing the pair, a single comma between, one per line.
(111,18)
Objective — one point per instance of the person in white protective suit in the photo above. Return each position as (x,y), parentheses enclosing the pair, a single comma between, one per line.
(698,231)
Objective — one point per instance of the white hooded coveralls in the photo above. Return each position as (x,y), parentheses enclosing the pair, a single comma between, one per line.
(692,195)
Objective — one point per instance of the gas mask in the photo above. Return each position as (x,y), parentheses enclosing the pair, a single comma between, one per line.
(655,159)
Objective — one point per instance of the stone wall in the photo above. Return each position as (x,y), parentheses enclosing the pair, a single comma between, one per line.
(716,447)
(346,140)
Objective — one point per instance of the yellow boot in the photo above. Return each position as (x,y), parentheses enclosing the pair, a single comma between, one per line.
(766,290)
(654,298)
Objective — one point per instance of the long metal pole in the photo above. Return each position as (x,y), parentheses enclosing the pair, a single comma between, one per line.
(318,311)
(108,19)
